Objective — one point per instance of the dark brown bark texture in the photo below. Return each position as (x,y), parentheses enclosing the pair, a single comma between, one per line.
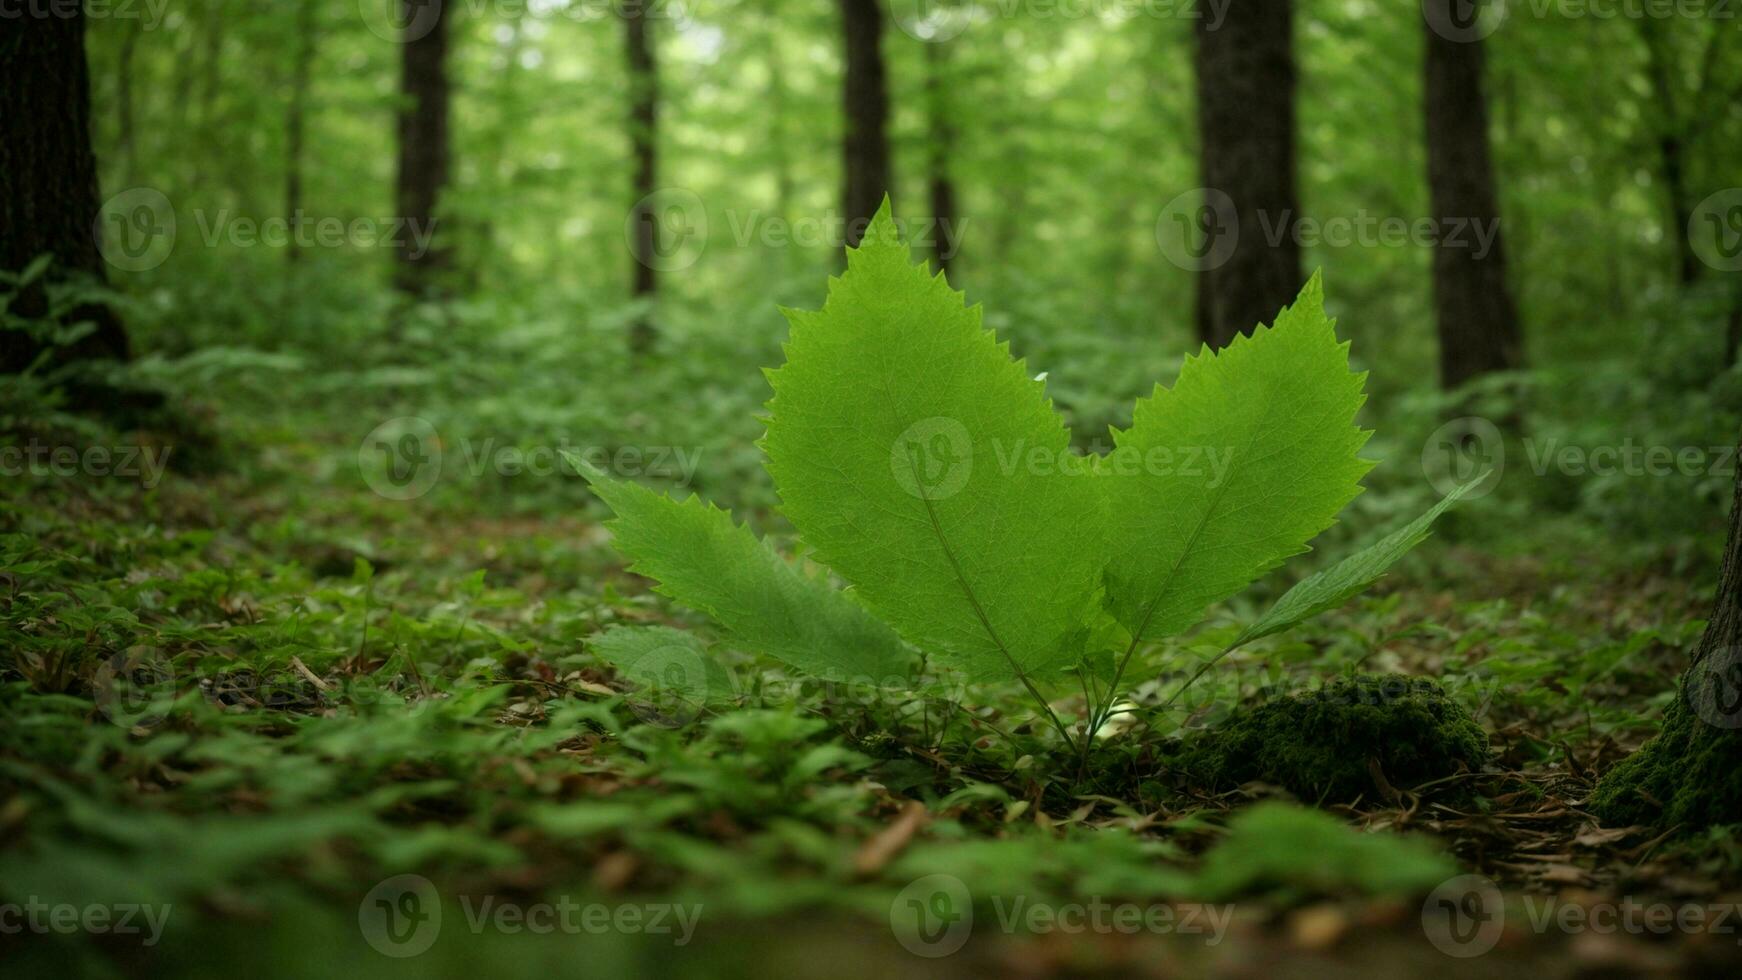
(1246,128)
(941,140)
(48,179)
(865,142)
(1690,775)
(424,154)
(1477,322)
(644,142)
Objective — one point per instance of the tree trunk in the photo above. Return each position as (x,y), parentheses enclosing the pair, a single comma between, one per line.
(423,143)
(1246,126)
(941,145)
(1690,775)
(865,139)
(295,118)
(48,181)
(1478,324)
(644,141)
(1671,152)
(124,98)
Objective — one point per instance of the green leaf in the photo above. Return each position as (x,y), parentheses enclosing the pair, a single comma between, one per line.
(1249,456)
(919,460)
(668,660)
(1349,577)
(699,558)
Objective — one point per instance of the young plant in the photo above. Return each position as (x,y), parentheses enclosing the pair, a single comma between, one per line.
(926,468)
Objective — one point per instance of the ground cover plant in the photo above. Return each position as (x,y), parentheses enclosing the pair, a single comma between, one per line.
(1077,560)
(869,488)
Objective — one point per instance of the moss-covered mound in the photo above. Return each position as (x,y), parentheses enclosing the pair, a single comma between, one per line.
(1337,743)
(1689,776)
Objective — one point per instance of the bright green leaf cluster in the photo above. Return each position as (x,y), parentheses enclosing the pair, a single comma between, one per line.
(925,466)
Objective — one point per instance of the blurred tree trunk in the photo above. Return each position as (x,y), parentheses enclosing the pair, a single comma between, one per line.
(424,160)
(124,97)
(940,147)
(778,113)
(211,80)
(1246,126)
(644,141)
(48,182)
(1671,150)
(1478,324)
(494,163)
(865,140)
(295,117)
(1690,775)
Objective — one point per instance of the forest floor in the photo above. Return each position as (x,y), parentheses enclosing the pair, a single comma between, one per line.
(283,710)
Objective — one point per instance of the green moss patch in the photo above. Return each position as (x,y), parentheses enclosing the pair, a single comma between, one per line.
(1358,738)
(1689,776)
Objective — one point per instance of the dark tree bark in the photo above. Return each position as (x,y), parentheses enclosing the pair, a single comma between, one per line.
(940,147)
(1477,321)
(124,98)
(1671,149)
(424,156)
(865,140)
(48,180)
(644,141)
(1246,127)
(1690,775)
(296,113)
